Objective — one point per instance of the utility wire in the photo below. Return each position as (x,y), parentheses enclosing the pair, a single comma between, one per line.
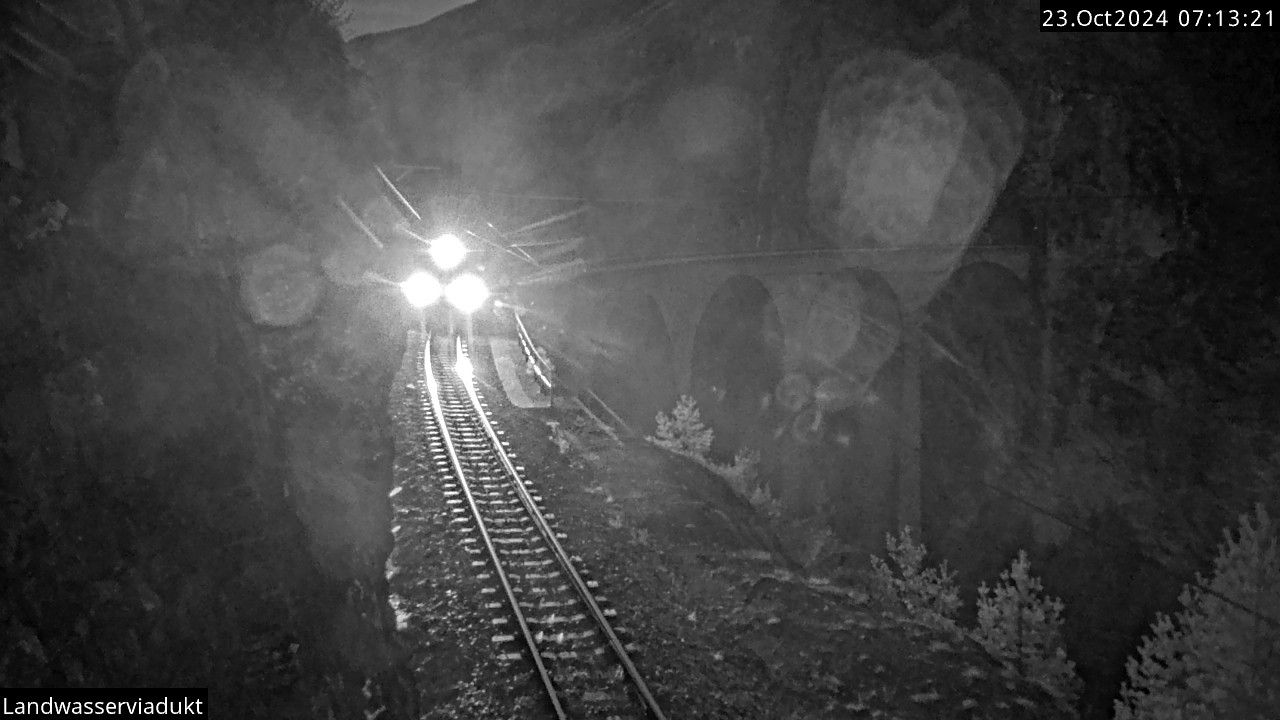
(747,198)
(1141,557)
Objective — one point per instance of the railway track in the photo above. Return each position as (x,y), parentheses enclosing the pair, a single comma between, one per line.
(542,608)
(587,400)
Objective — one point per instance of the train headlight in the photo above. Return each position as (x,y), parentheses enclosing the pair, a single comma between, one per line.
(421,289)
(467,293)
(447,251)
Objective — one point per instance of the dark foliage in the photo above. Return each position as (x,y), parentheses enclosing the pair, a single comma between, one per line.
(158,520)
(1159,295)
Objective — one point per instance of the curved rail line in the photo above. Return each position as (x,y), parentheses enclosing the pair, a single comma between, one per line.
(542,369)
(517,535)
(540,364)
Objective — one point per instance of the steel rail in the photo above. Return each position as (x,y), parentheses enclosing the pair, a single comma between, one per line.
(541,365)
(542,369)
(562,557)
(437,410)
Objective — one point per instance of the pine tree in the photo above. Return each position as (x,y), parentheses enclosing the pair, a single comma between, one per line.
(928,595)
(683,431)
(1220,656)
(1021,627)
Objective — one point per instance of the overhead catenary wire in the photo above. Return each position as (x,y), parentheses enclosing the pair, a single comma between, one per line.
(373,238)
(519,255)
(1093,537)
(395,191)
(548,221)
(748,197)
(63,19)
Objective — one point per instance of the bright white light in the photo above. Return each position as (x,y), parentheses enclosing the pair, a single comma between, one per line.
(467,293)
(464,368)
(447,251)
(421,289)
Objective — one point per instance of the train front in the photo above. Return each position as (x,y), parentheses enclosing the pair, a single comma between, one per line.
(449,286)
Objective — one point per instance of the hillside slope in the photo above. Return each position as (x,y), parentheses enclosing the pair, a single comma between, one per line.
(728,625)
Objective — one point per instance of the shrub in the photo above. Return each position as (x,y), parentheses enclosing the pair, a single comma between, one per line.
(744,477)
(765,503)
(928,595)
(1023,629)
(1220,657)
(683,431)
(743,473)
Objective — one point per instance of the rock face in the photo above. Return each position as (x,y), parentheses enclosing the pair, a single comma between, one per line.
(716,125)
(647,110)
(711,107)
(195,438)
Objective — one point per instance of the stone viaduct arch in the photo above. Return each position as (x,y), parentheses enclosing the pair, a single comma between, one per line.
(892,291)
(636,377)
(736,356)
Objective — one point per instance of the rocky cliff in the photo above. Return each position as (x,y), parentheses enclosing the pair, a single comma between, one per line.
(685,125)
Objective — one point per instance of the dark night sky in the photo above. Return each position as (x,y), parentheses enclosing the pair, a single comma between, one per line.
(368,16)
